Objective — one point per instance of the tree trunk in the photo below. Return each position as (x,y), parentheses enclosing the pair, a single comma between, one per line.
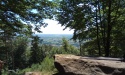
(107,51)
(80,47)
(98,40)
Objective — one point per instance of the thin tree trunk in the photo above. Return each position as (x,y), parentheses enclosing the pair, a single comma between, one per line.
(107,51)
(98,40)
(80,47)
(103,27)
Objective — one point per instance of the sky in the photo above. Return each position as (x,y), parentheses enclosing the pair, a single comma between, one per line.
(55,28)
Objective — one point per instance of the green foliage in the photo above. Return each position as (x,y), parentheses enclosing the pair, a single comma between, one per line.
(46,65)
(67,48)
(65,44)
(20,18)
(98,27)
(13,14)
(36,53)
(101,22)
(18,54)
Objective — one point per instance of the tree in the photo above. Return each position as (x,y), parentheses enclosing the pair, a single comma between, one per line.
(75,15)
(68,48)
(21,17)
(14,13)
(65,45)
(35,54)
(16,53)
(95,20)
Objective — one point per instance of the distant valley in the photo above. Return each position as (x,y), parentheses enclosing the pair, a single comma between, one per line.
(56,39)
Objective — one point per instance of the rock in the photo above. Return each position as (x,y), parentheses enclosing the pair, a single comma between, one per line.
(77,65)
(28,73)
(33,73)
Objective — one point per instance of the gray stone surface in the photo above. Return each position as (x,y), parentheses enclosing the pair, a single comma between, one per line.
(77,65)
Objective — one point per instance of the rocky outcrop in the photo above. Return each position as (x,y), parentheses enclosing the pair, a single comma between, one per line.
(77,65)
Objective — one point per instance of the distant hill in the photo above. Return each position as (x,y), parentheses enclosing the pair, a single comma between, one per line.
(55,35)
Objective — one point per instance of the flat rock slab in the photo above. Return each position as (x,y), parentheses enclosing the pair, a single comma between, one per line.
(77,65)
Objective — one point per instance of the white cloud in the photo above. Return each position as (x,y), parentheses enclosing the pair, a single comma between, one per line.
(55,28)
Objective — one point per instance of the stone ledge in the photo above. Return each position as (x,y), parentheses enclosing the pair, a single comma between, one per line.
(77,65)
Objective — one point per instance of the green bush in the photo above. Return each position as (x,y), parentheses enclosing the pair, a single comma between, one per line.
(47,65)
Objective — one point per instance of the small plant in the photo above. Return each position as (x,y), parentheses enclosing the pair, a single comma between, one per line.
(47,64)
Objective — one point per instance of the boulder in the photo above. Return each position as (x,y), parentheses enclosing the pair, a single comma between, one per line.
(77,65)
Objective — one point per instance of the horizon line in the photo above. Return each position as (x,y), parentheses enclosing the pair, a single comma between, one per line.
(45,33)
